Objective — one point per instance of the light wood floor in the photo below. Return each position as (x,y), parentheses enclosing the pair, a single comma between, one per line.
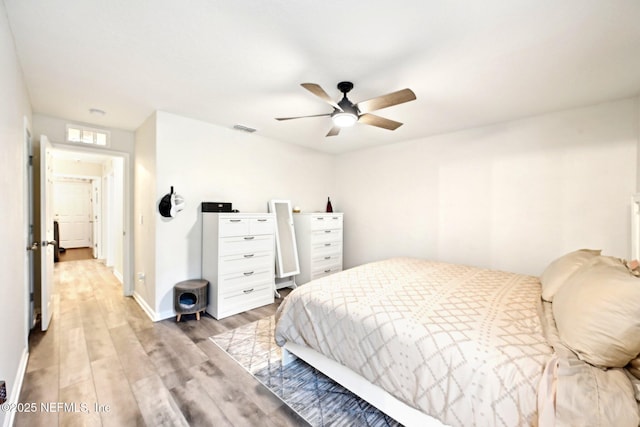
(75,254)
(102,351)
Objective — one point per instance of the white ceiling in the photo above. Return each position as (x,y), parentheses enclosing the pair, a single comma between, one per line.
(470,63)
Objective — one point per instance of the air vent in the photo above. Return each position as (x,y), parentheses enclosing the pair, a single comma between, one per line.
(244,128)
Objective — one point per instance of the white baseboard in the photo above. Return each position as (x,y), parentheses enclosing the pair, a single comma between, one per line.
(118,276)
(153,315)
(17,387)
(166,315)
(145,307)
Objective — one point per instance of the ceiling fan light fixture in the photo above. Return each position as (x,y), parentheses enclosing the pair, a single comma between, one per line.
(344,119)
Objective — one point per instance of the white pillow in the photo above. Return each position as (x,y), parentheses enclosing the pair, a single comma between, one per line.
(634,367)
(597,312)
(557,273)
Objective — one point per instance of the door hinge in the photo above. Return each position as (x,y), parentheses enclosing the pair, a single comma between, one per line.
(31,297)
(31,160)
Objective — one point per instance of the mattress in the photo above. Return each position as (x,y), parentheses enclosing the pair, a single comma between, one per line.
(462,344)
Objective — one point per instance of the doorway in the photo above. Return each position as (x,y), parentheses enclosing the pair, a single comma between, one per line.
(73,208)
(89,205)
(111,162)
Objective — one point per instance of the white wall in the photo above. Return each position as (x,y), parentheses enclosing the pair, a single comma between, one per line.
(510,196)
(144,218)
(205,162)
(14,107)
(55,128)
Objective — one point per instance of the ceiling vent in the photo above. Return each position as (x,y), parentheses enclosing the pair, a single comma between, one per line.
(244,128)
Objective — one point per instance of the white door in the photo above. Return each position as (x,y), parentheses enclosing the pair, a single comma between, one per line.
(46,232)
(72,201)
(33,241)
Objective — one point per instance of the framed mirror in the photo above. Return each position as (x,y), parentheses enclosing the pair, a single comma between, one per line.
(287,263)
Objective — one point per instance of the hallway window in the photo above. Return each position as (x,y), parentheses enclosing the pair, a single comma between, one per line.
(84,135)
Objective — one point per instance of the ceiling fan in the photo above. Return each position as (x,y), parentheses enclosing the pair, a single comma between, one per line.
(346,113)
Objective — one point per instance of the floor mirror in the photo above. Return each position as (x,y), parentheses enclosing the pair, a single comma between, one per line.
(287,264)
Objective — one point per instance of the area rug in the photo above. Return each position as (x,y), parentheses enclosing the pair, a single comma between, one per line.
(316,397)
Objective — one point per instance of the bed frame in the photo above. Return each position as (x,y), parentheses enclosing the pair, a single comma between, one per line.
(360,386)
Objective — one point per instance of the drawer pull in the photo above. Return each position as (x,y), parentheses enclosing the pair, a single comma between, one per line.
(249,273)
(248,291)
(327,257)
(335,217)
(327,231)
(235,220)
(249,238)
(327,244)
(328,271)
(249,255)
(261,219)
(320,218)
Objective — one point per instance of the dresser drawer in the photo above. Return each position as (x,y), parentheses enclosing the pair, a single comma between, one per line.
(246,226)
(326,222)
(230,284)
(259,226)
(321,236)
(326,248)
(245,244)
(233,227)
(326,270)
(245,299)
(245,263)
(327,260)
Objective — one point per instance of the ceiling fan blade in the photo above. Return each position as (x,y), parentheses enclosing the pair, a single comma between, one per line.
(302,117)
(381,122)
(384,101)
(320,93)
(334,131)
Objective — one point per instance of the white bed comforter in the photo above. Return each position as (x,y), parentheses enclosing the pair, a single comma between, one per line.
(462,344)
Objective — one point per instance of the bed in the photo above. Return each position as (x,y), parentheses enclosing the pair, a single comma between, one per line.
(433,343)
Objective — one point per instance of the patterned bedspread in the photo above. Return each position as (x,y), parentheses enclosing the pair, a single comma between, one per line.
(462,344)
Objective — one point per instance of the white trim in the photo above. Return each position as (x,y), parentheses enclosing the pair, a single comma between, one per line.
(152,314)
(167,315)
(145,307)
(118,275)
(357,384)
(17,387)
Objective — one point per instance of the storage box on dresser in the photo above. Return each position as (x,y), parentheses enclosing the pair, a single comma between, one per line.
(238,261)
(319,241)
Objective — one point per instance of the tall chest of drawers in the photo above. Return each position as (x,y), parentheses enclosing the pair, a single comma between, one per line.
(238,260)
(319,241)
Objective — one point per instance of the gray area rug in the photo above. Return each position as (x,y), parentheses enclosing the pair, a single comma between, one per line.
(317,398)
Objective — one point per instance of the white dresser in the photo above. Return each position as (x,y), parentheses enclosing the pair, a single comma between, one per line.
(319,241)
(238,260)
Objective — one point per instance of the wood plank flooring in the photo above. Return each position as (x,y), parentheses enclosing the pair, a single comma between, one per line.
(112,366)
(75,254)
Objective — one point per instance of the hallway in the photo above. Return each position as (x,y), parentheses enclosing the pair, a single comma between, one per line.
(103,362)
